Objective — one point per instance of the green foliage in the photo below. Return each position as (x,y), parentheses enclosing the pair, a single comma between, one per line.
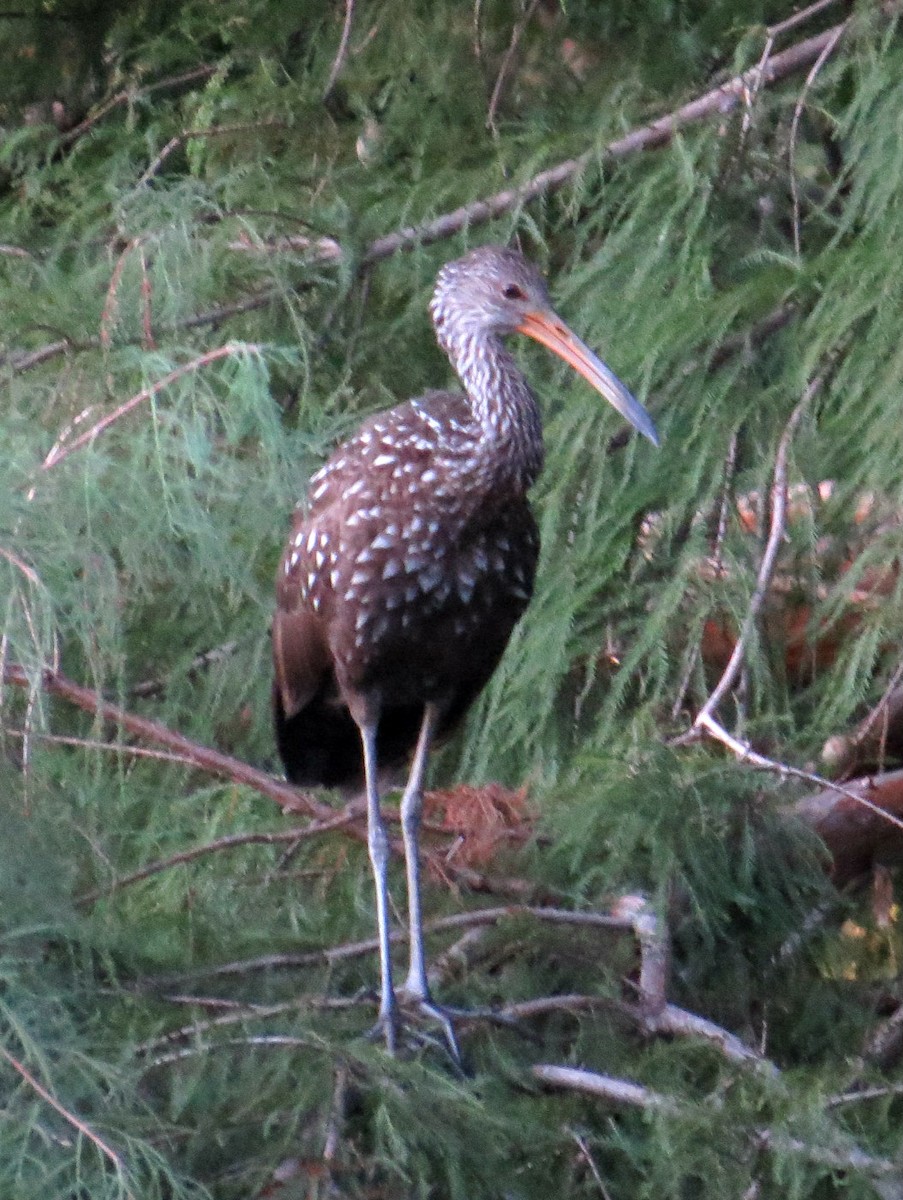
(151,1045)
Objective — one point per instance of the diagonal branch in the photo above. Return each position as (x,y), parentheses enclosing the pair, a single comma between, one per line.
(714,103)
(130,95)
(59,451)
(844,1156)
(81,1126)
(289,798)
(230,841)
(717,102)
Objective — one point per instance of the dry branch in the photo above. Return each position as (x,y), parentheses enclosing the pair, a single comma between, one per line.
(339,60)
(516,33)
(290,799)
(846,1157)
(716,102)
(232,841)
(130,95)
(605,1087)
(59,451)
(858,822)
(81,1127)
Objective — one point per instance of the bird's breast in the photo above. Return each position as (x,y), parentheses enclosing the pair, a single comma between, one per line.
(416,554)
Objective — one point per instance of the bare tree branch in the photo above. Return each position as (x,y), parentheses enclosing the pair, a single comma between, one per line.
(130,95)
(290,799)
(516,33)
(228,842)
(626,1092)
(59,451)
(605,1087)
(716,102)
(80,1126)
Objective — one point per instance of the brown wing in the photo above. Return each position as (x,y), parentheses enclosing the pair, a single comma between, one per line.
(300,658)
(316,738)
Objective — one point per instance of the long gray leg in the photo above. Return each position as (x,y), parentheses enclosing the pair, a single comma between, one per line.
(416,985)
(378,845)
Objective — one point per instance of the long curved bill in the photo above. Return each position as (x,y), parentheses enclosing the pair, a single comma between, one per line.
(551,331)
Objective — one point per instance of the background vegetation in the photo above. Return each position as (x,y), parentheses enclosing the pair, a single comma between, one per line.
(219,227)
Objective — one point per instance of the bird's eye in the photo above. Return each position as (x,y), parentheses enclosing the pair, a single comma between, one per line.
(513,292)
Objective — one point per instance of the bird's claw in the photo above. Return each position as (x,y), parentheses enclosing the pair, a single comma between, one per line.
(394,1025)
(427,1008)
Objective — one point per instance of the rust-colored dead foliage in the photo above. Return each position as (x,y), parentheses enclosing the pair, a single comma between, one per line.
(481,821)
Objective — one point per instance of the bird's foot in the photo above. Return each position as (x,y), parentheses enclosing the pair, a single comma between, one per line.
(395,1025)
(417,1002)
(430,1011)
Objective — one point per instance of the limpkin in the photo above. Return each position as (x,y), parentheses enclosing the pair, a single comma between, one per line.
(411,563)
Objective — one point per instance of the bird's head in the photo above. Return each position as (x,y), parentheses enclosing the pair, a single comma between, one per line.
(493,291)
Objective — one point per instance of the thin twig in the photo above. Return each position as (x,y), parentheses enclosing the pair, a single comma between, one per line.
(794,128)
(129,96)
(746,754)
(279,1040)
(458,958)
(14,560)
(766,567)
(57,739)
(18,362)
(879,712)
(204,758)
(111,303)
(230,841)
(318,249)
(772,34)
(799,18)
(147,322)
(188,135)
(153,687)
(516,34)
(477,36)
(863,1094)
(81,1126)
(335,1121)
(342,51)
(590,1162)
(58,453)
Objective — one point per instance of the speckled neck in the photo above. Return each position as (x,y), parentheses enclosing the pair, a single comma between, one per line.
(503,404)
